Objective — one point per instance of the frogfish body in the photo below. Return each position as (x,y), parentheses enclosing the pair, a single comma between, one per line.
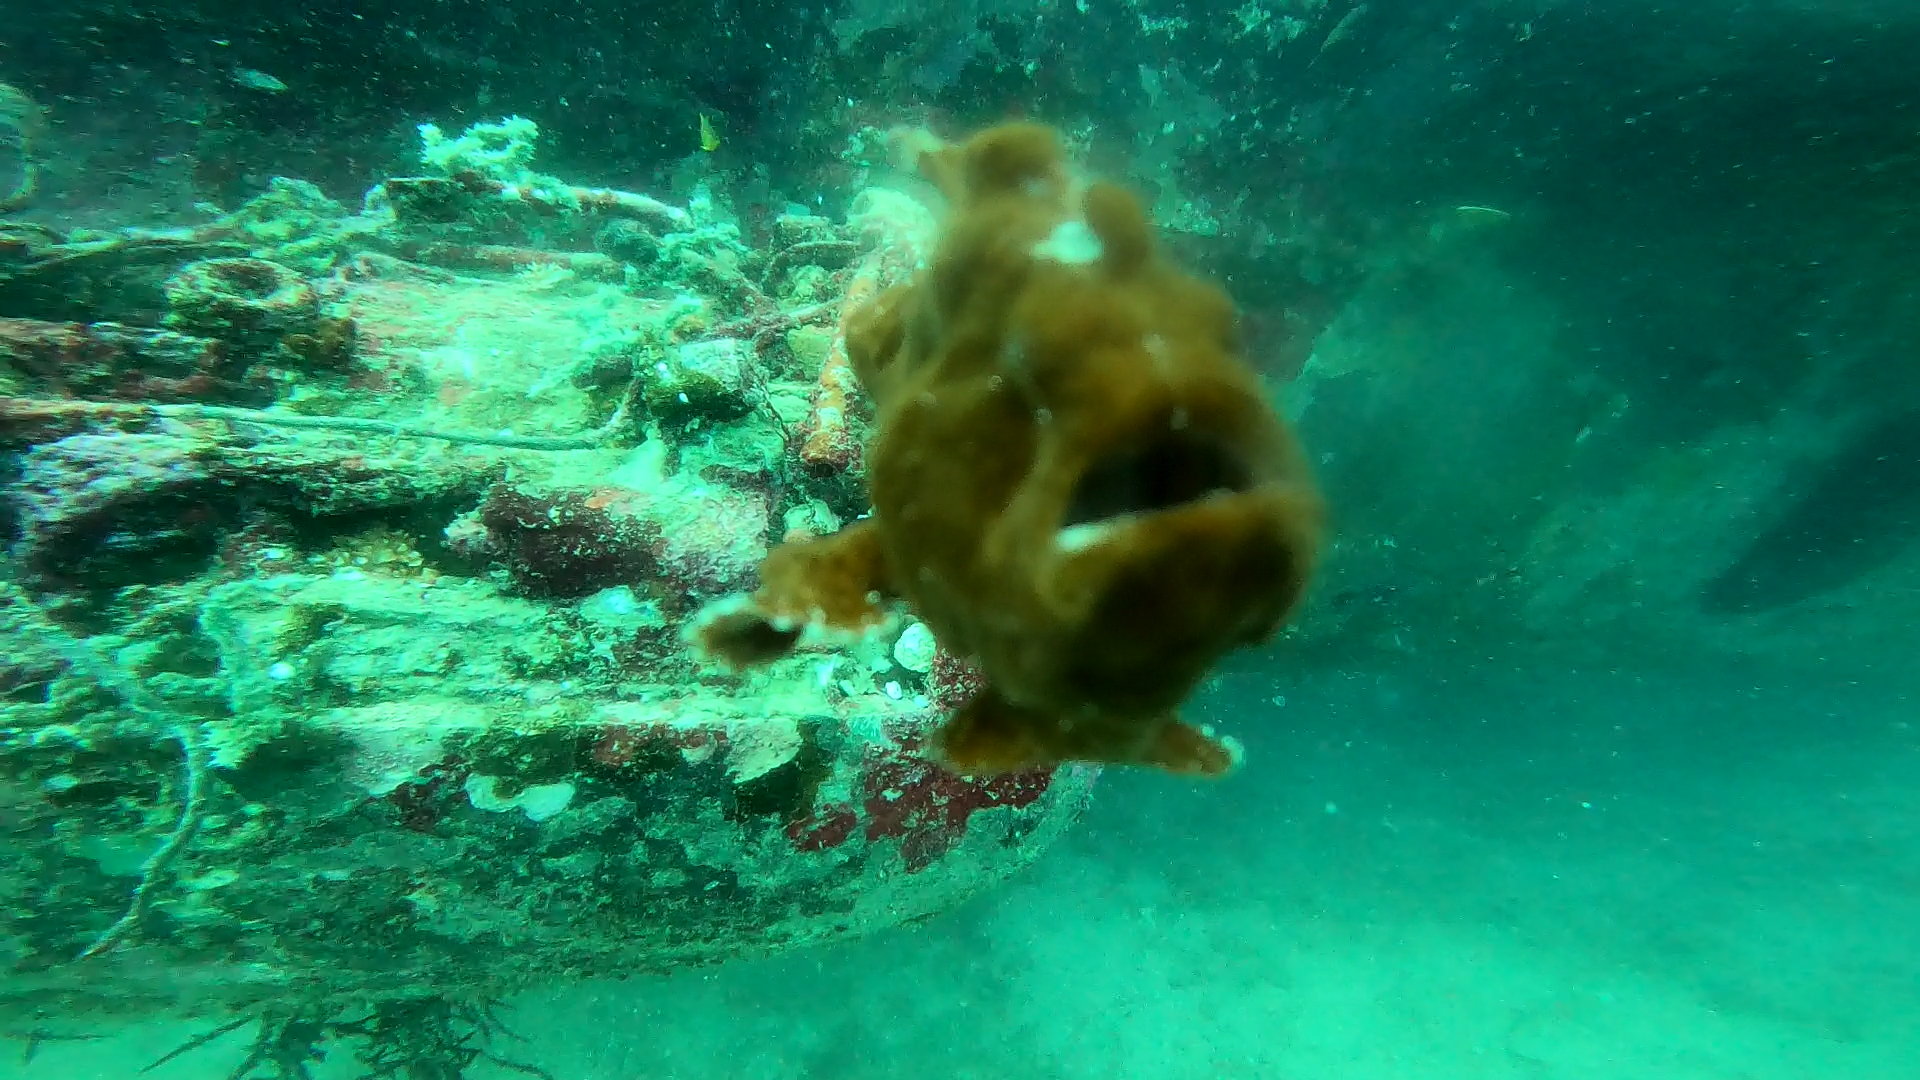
(1077,483)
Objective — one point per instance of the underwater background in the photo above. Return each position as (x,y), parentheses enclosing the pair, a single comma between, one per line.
(383,389)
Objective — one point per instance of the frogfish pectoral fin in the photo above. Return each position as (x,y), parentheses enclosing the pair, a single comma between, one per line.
(827,585)
(1179,747)
(739,635)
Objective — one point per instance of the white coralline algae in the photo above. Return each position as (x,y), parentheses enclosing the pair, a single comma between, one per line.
(538,801)
(914,648)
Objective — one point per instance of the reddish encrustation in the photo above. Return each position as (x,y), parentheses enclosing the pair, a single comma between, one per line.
(828,827)
(927,808)
(952,681)
(421,801)
(916,802)
(653,747)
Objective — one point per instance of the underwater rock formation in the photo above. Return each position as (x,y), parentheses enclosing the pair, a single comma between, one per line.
(1076,482)
(260,308)
(373,706)
(106,360)
(414,776)
(690,543)
(102,510)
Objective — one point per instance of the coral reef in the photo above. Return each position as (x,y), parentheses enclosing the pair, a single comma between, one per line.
(568,544)
(689,541)
(347,570)
(99,510)
(899,234)
(398,771)
(259,307)
(706,379)
(1077,484)
(47,274)
(106,360)
(501,150)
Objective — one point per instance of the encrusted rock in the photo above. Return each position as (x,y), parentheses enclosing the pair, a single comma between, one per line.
(107,360)
(915,648)
(260,308)
(701,380)
(116,508)
(241,300)
(689,538)
(435,785)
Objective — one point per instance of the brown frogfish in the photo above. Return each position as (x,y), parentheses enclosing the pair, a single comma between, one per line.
(1076,482)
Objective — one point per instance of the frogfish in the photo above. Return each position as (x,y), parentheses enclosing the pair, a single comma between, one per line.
(1076,481)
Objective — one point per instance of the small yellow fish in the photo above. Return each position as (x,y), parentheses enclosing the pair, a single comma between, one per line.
(709,138)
